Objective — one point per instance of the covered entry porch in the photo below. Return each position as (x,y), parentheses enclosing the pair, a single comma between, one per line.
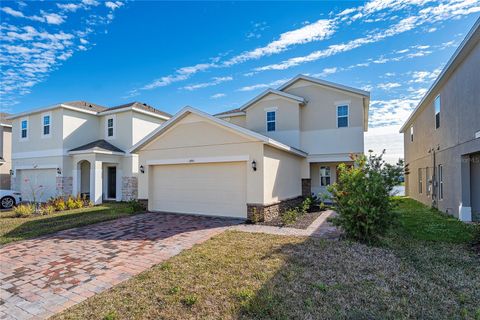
(97,173)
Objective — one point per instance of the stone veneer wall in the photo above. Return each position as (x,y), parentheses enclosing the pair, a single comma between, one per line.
(129,188)
(64,186)
(260,212)
(306,187)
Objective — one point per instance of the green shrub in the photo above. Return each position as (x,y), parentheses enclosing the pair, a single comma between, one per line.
(362,197)
(189,300)
(47,210)
(58,203)
(71,203)
(111,315)
(24,210)
(136,206)
(289,216)
(307,204)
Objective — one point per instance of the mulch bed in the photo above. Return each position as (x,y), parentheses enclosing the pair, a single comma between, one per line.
(303,222)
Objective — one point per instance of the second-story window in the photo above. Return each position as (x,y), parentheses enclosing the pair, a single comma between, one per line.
(437,112)
(46,125)
(411,134)
(110,128)
(342,116)
(24,129)
(271,121)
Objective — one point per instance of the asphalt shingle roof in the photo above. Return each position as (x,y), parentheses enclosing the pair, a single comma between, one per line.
(142,106)
(3,115)
(86,105)
(99,144)
(228,112)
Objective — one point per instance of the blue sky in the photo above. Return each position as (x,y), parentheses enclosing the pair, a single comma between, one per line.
(218,55)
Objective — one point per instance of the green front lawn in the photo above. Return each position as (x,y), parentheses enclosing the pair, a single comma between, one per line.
(423,269)
(15,229)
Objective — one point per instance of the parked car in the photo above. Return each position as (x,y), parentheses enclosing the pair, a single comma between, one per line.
(9,198)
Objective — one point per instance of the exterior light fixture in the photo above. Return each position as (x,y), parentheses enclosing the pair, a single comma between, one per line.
(11,172)
(59,171)
(254,165)
(142,169)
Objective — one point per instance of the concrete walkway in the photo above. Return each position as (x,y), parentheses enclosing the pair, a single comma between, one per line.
(320,228)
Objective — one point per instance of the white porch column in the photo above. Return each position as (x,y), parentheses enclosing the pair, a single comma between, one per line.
(96,182)
(119,185)
(75,182)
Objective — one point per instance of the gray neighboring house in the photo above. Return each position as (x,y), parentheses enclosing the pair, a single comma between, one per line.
(442,137)
(5,150)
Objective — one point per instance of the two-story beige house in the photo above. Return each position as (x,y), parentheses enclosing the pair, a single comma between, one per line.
(80,148)
(256,159)
(5,151)
(442,137)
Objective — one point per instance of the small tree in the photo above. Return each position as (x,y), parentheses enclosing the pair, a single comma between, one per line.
(362,195)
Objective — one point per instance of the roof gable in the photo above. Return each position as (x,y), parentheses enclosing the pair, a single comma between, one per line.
(324,83)
(281,94)
(233,128)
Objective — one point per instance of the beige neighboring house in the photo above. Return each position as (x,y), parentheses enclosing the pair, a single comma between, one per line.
(80,148)
(5,151)
(258,159)
(442,137)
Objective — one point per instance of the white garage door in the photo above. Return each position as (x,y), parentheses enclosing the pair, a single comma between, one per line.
(217,189)
(37,183)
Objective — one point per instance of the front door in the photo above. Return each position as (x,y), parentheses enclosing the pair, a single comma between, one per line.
(112,183)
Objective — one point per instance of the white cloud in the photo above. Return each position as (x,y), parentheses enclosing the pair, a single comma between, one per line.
(28,54)
(12,12)
(424,76)
(180,75)
(113,5)
(215,81)
(52,18)
(327,71)
(263,85)
(385,138)
(454,9)
(218,95)
(92,3)
(71,7)
(319,30)
(388,86)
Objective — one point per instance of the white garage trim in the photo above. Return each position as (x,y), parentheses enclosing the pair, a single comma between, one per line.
(198,160)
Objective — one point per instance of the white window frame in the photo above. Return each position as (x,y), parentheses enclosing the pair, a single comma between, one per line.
(114,127)
(49,114)
(329,170)
(420,181)
(27,129)
(411,134)
(274,110)
(338,105)
(437,98)
(440,182)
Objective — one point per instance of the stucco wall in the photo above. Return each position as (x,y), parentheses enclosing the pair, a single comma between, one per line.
(287,119)
(35,140)
(459,120)
(318,120)
(184,141)
(238,120)
(282,175)
(142,125)
(123,137)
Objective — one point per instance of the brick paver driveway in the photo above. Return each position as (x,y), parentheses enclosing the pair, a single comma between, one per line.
(42,276)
